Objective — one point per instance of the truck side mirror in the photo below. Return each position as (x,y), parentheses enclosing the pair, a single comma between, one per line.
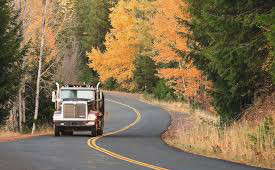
(53,96)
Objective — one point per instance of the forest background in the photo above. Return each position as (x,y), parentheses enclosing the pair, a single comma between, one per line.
(213,55)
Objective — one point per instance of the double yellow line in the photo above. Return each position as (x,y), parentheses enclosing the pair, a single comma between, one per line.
(92,142)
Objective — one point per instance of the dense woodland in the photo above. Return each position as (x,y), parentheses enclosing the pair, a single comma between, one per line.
(216,55)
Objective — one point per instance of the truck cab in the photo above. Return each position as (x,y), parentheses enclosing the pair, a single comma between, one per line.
(78,108)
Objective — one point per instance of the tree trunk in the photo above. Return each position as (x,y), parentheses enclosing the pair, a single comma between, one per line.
(39,69)
(20,110)
(17,4)
(24,105)
(22,101)
(11,118)
(18,102)
(184,84)
(21,96)
(14,118)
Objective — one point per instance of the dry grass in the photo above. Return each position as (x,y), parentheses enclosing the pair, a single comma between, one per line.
(45,129)
(197,132)
(119,93)
(243,142)
(176,106)
(7,135)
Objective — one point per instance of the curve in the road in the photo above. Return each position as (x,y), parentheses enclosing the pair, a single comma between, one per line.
(92,141)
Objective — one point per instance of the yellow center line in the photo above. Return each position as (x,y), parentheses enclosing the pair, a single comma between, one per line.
(92,142)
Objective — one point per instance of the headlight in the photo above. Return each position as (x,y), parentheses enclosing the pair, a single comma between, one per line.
(91,116)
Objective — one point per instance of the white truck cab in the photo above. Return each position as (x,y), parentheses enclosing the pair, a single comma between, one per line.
(78,108)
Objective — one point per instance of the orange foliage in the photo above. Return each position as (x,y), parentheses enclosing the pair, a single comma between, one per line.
(166,28)
(185,79)
(121,46)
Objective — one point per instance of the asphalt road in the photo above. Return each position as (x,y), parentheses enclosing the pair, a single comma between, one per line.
(137,147)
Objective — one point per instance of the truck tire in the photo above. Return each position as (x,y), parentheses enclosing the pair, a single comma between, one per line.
(100,130)
(67,133)
(93,132)
(56,131)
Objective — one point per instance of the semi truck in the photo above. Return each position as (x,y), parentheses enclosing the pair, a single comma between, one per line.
(78,108)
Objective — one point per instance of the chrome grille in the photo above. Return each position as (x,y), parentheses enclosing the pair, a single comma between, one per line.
(69,110)
(74,110)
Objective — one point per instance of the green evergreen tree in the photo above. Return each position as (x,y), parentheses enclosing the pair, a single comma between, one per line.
(163,92)
(230,46)
(88,75)
(10,56)
(92,25)
(93,22)
(145,74)
(111,84)
(267,22)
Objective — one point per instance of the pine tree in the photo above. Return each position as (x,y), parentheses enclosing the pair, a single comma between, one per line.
(92,25)
(10,56)
(229,45)
(267,22)
(93,22)
(145,74)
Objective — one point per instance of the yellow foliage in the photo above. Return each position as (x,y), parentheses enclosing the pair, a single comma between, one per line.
(166,28)
(121,46)
(130,32)
(66,6)
(185,79)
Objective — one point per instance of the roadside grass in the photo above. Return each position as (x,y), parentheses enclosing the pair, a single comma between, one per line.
(45,129)
(179,106)
(242,142)
(198,132)
(9,135)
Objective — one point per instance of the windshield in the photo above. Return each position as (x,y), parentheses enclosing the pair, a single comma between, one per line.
(78,94)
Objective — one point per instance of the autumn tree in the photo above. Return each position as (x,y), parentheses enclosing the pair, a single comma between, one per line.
(123,43)
(171,44)
(11,56)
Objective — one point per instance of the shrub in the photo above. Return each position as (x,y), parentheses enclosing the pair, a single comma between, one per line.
(163,92)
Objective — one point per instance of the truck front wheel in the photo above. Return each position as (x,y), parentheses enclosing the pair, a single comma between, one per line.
(93,131)
(67,133)
(100,130)
(56,131)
